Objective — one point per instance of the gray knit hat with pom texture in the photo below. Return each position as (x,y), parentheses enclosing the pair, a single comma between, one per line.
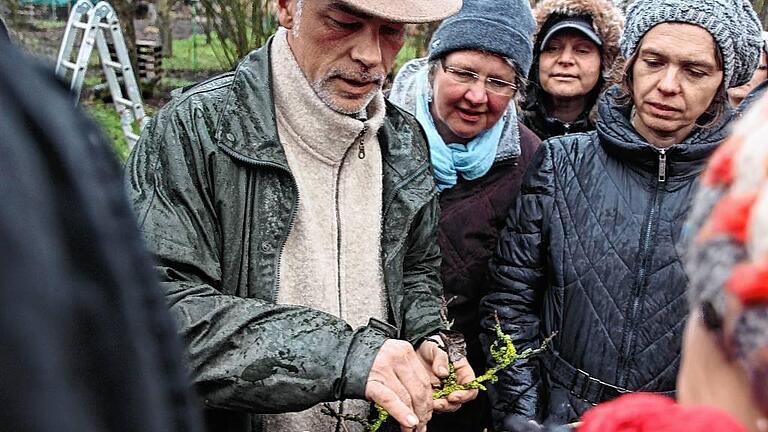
(503,27)
(732,23)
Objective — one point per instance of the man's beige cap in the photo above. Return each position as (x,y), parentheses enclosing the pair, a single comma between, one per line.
(407,11)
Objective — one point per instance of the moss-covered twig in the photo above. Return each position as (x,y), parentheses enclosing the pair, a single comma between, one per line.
(503,352)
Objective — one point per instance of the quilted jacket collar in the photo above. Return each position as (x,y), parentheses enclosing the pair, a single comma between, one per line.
(620,139)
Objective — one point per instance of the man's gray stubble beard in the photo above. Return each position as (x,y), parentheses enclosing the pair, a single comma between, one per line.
(322,89)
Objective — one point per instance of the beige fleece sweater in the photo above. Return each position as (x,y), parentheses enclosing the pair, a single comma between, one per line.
(331,260)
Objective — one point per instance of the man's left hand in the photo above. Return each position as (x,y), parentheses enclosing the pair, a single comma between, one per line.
(435,361)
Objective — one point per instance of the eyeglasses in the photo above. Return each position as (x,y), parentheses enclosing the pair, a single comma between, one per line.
(493,85)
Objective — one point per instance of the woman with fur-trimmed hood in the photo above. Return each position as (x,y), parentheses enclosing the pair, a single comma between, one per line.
(576,44)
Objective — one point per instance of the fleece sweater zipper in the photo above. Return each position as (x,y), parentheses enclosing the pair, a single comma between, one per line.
(643,263)
(361,142)
(337,204)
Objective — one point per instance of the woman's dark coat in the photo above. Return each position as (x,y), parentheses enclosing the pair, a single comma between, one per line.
(589,252)
(472,215)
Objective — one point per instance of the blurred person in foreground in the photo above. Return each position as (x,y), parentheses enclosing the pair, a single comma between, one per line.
(723,380)
(293,215)
(87,340)
(576,45)
(463,95)
(590,247)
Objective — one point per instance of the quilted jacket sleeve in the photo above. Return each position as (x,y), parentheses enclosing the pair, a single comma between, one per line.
(245,354)
(517,273)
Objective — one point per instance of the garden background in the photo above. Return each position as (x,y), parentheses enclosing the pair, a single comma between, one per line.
(194,40)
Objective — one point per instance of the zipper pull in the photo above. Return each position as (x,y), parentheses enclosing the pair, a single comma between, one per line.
(361,143)
(662,165)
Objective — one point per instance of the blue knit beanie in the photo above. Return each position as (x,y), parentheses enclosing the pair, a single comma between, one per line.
(503,27)
(732,23)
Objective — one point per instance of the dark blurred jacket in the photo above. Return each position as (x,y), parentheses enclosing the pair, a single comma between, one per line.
(87,340)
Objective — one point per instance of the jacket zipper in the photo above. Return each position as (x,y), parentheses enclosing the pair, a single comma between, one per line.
(294,209)
(361,142)
(662,165)
(641,274)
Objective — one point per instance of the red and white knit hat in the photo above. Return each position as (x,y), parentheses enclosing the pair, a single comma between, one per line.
(727,257)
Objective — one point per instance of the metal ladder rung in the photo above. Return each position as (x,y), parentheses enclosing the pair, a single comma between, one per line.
(106,26)
(132,136)
(124,101)
(69,65)
(114,64)
(80,25)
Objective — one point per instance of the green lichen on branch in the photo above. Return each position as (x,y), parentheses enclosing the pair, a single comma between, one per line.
(503,352)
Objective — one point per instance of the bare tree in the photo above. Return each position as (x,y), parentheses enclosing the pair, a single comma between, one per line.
(164,25)
(241,26)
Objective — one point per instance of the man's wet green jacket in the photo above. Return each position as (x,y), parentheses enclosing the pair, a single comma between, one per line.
(216,200)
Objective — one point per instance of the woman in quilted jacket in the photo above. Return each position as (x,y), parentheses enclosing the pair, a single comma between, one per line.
(723,381)
(590,248)
(463,94)
(576,44)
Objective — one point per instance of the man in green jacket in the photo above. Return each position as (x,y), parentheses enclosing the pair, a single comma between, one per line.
(293,217)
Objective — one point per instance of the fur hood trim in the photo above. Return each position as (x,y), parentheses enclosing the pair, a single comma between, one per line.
(607,21)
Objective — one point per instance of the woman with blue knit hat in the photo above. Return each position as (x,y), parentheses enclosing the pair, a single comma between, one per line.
(589,253)
(463,94)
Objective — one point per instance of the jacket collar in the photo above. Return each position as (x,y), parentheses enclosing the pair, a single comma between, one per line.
(246,125)
(247,129)
(620,139)
(538,114)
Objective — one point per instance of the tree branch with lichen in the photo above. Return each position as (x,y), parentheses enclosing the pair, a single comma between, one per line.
(503,352)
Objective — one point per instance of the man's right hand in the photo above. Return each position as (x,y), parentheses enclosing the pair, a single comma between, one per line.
(399,383)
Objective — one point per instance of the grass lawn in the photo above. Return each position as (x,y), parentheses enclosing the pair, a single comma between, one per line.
(44,24)
(106,116)
(194,54)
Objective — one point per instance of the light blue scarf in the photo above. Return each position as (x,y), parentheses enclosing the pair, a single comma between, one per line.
(471,160)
